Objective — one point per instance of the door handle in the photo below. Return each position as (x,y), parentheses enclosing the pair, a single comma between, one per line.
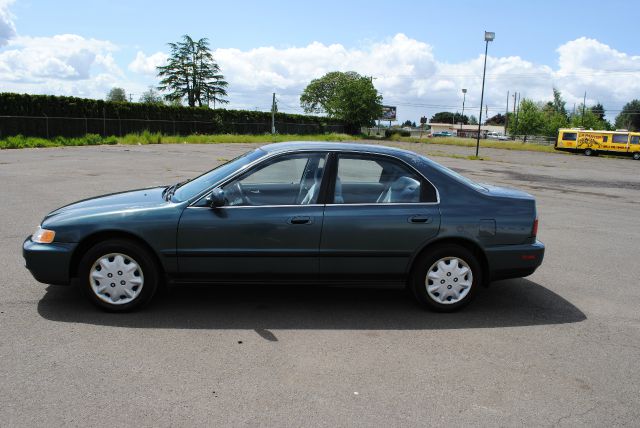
(256,191)
(300,220)
(419,219)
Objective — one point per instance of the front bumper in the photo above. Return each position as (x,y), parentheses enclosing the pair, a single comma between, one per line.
(514,261)
(48,263)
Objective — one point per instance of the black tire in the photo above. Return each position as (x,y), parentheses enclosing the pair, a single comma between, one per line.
(145,261)
(636,156)
(588,152)
(418,280)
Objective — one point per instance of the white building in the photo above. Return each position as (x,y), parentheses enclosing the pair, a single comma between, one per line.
(470,131)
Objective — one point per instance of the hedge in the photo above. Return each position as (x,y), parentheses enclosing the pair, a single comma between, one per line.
(50,116)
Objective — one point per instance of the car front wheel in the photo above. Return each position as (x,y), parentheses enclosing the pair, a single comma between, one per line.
(446,278)
(118,275)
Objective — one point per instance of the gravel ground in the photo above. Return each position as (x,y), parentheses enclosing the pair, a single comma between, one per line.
(558,348)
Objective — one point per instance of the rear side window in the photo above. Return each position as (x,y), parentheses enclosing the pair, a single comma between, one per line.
(365,179)
(620,138)
(359,170)
(635,139)
(570,136)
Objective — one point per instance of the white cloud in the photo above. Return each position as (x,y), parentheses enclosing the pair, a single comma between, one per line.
(407,73)
(7,27)
(147,65)
(67,64)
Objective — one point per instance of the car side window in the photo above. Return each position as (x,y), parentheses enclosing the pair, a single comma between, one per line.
(286,180)
(377,180)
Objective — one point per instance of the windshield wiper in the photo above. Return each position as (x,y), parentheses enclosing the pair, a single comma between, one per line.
(170,190)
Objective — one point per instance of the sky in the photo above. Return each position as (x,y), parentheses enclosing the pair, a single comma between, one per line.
(420,53)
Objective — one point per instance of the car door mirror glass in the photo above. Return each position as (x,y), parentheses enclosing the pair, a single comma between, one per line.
(216,198)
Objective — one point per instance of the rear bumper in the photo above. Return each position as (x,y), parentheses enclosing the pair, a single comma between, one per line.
(48,263)
(514,261)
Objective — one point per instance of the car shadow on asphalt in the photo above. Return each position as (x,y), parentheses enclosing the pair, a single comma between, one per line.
(517,302)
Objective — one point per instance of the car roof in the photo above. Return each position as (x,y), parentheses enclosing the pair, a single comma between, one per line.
(324,145)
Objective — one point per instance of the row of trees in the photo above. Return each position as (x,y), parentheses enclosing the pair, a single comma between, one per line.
(454,118)
(150,96)
(546,118)
(540,118)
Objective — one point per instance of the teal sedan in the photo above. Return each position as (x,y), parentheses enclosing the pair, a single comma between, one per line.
(299,213)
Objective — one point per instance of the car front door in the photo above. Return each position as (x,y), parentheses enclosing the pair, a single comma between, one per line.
(269,226)
(381,212)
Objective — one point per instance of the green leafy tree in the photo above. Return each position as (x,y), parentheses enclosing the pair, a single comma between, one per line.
(529,121)
(558,104)
(151,96)
(448,117)
(348,97)
(629,117)
(590,120)
(191,73)
(117,94)
(473,120)
(554,115)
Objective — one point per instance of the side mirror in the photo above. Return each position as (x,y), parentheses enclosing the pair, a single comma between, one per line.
(216,198)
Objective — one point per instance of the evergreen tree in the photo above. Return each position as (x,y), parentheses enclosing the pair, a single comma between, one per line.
(192,73)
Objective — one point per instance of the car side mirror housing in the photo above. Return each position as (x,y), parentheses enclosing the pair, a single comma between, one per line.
(216,198)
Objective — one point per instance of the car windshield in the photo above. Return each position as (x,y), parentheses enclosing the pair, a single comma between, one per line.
(199,184)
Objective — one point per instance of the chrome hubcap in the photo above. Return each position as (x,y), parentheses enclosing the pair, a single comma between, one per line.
(449,280)
(116,278)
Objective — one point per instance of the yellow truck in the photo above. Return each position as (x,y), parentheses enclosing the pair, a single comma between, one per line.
(593,142)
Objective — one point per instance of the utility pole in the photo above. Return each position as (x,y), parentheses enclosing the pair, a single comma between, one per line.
(584,102)
(506,115)
(517,107)
(273,114)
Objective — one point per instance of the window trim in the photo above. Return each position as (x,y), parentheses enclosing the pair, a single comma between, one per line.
(328,176)
(328,196)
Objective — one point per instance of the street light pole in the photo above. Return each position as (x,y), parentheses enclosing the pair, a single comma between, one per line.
(488,37)
(464,97)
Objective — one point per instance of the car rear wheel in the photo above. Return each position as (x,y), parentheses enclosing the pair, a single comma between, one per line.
(588,152)
(636,156)
(446,278)
(118,275)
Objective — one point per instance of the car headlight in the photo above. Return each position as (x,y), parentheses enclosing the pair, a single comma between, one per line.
(43,236)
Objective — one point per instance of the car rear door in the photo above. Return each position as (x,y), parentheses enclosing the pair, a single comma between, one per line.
(381,211)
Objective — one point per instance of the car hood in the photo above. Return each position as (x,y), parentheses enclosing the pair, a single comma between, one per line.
(506,192)
(123,201)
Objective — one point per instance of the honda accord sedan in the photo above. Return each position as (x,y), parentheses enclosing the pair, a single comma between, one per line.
(298,213)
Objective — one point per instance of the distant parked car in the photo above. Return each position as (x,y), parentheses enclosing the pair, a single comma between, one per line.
(442,134)
(496,136)
(297,213)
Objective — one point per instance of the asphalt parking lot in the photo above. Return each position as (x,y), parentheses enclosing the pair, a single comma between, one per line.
(559,348)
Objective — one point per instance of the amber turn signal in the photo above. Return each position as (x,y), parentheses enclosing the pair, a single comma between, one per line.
(43,236)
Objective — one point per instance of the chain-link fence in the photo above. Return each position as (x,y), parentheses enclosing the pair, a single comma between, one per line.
(50,127)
